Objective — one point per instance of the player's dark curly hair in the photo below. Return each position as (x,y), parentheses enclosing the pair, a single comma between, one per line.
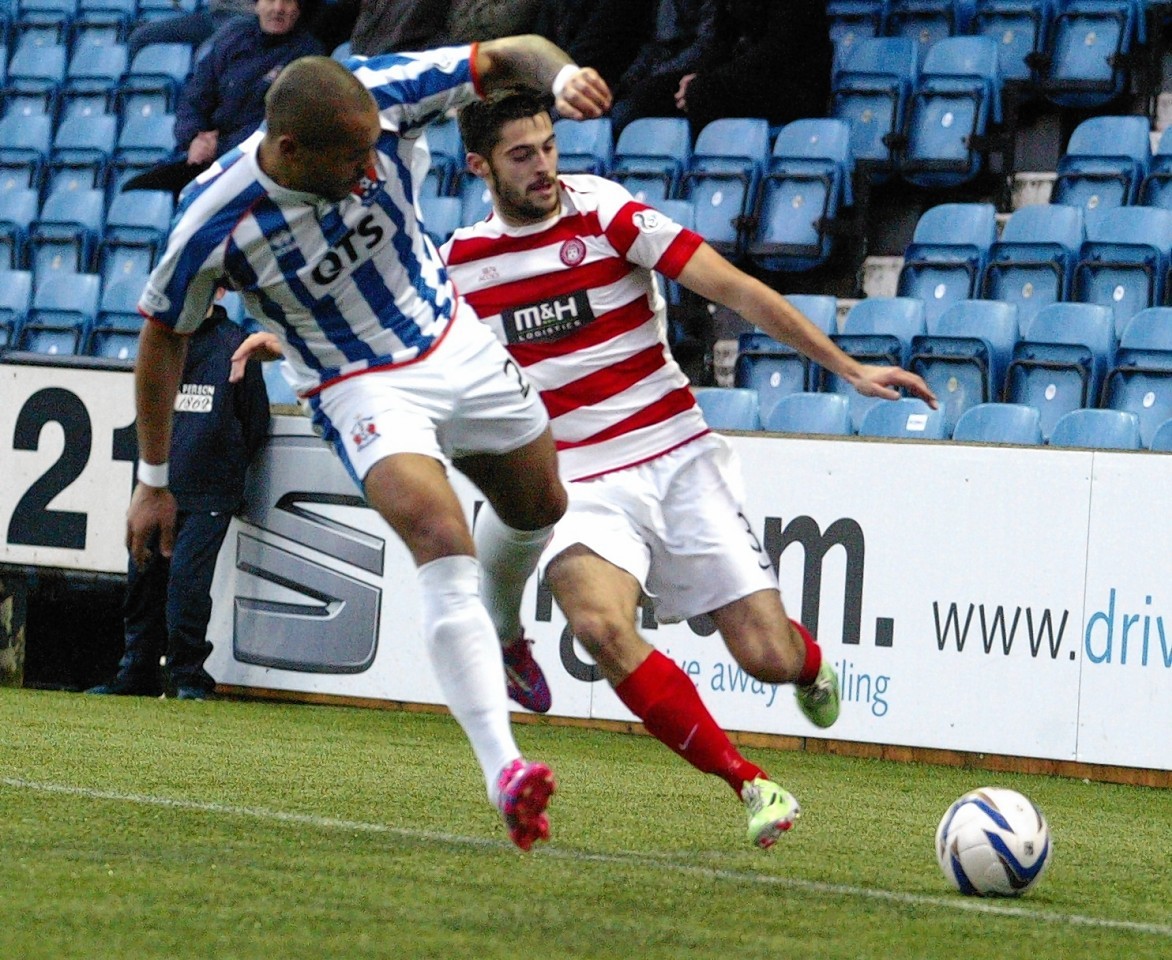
(481,122)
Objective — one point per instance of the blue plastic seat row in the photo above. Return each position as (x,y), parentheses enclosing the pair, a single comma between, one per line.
(1074,52)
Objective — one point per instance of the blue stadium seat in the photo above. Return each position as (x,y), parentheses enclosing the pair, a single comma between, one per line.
(907,418)
(137,224)
(18,209)
(729,408)
(1032,263)
(816,413)
(1141,380)
(151,84)
(103,23)
(115,329)
(928,21)
(954,106)
(1020,28)
(276,385)
(1156,190)
(651,156)
(144,141)
(852,22)
(64,305)
(1098,429)
(871,92)
(722,178)
(1014,423)
(16,287)
(1123,261)
(584,146)
(447,154)
(1104,164)
(876,330)
(36,75)
(65,234)
(1086,64)
(1162,438)
(946,259)
(25,144)
(1061,361)
(93,72)
(775,370)
(806,188)
(441,216)
(82,149)
(965,354)
(475,200)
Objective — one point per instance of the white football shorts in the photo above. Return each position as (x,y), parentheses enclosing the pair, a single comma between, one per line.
(466,396)
(677,524)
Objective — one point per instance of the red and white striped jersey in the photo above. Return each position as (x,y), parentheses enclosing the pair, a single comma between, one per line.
(576,303)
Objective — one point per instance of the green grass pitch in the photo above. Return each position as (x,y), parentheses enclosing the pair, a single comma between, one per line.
(137,828)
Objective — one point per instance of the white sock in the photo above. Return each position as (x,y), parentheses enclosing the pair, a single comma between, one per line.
(466,658)
(507,558)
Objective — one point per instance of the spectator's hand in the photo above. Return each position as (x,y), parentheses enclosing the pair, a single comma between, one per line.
(682,92)
(203,148)
(261,346)
(151,514)
(885,382)
(584,97)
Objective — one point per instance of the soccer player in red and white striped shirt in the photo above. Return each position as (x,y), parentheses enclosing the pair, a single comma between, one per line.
(564,272)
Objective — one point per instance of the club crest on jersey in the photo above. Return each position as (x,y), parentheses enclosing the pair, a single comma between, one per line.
(363,433)
(367,188)
(648,221)
(281,241)
(548,319)
(573,252)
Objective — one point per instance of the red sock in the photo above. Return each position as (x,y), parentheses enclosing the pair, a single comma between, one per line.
(813,655)
(660,694)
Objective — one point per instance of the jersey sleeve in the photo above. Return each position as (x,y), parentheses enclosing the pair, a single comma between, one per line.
(181,287)
(642,234)
(415,89)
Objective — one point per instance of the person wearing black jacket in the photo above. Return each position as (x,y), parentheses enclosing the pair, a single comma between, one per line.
(218,428)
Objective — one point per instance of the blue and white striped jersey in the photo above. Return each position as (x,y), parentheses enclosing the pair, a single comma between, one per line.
(346,285)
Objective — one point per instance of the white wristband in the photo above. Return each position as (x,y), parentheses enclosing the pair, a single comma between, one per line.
(563,77)
(152,474)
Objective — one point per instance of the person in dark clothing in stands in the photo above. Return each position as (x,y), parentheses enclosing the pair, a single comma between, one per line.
(774,62)
(606,34)
(218,429)
(222,101)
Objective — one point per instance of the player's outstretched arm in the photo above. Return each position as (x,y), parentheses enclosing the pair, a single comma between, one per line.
(158,370)
(708,274)
(532,61)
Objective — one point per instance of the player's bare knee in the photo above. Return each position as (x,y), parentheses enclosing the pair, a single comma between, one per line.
(600,633)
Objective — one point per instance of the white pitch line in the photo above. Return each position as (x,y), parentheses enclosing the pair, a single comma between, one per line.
(629,859)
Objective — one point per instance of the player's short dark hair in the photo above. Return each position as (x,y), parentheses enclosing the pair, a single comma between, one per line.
(481,122)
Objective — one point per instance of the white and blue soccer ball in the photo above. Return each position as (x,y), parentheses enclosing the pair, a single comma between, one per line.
(993,842)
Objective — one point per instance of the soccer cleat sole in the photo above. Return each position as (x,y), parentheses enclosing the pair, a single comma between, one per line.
(524,807)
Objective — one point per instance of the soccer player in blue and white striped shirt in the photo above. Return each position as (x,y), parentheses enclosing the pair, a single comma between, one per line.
(314,221)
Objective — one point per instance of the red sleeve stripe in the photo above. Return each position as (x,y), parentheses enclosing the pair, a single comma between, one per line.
(477,248)
(606,327)
(669,405)
(596,387)
(589,276)
(622,231)
(676,257)
(475,73)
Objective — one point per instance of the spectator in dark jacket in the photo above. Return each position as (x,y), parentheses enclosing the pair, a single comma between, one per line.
(774,62)
(682,41)
(603,33)
(223,99)
(218,429)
